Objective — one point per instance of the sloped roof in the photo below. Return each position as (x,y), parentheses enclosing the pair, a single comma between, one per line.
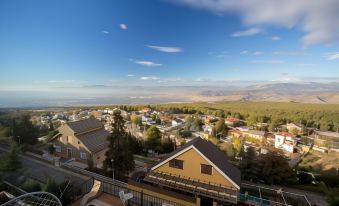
(95,141)
(255,132)
(213,154)
(84,125)
(285,134)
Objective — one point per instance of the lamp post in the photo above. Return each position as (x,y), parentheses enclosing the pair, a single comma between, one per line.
(112,168)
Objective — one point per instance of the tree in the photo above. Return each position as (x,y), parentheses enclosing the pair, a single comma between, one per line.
(276,169)
(214,140)
(11,161)
(167,145)
(237,144)
(119,149)
(249,166)
(196,124)
(24,132)
(51,187)
(135,119)
(153,138)
(220,127)
(31,186)
(51,149)
(228,149)
(332,196)
(51,127)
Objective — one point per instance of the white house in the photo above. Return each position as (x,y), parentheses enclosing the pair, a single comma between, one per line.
(177,122)
(208,128)
(285,141)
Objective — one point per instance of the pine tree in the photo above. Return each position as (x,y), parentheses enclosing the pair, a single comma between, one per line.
(119,149)
(11,161)
(51,187)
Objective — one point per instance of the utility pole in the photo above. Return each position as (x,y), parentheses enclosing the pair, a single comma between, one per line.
(113,170)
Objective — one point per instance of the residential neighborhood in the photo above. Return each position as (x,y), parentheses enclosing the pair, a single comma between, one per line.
(195,151)
(169,103)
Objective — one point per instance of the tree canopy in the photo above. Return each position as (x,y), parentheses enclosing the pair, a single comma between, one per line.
(119,155)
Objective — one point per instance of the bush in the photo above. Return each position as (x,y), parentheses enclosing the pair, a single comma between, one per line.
(331,180)
(305,178)
(185,133)
(31,186)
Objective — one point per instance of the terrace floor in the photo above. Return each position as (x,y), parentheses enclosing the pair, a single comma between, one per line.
(104,200)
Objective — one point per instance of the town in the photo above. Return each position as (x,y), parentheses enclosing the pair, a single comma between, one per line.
(169,103)
(142,155)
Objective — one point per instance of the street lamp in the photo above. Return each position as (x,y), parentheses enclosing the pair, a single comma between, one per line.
(112,168)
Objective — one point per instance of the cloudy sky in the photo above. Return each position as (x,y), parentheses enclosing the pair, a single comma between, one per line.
(62,43)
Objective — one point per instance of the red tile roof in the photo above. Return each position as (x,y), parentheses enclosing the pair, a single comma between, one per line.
(285,134)
(232,119)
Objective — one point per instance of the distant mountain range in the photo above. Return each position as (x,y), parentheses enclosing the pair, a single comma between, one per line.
(283,92)
(312,92)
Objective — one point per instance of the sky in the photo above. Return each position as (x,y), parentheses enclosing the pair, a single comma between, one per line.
(46,44)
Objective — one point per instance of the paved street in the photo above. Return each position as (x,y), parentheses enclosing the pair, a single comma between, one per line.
(40,171)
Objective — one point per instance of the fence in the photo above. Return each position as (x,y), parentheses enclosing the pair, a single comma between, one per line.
(139,198)
(94,175)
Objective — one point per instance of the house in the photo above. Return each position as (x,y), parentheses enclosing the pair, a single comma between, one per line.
(198,169)
(291,127)
(146,110)
(208,128)
(285,141)
(234,133)
(233,122)
(82,141)
(326,139)
(259,135)
(177,122)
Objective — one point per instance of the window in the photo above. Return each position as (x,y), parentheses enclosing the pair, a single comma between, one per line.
(58,148)
(83,155)
(206,169)
(179,164)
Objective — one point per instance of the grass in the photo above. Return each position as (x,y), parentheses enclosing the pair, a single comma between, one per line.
(318,161)
(145,159)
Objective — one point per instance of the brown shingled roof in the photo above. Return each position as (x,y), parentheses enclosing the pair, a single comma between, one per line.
(84,125)
(95,141)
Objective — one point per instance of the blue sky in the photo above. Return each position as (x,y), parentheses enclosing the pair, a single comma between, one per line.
(62,43)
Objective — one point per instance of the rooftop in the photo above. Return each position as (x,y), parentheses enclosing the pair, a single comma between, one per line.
(84,125)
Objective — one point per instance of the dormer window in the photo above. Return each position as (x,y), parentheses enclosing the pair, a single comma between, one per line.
(206,169)
(179,164)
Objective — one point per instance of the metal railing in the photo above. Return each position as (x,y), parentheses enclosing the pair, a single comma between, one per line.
(94,175)
(139,198)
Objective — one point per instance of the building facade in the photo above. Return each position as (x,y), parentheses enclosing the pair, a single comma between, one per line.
(84,141)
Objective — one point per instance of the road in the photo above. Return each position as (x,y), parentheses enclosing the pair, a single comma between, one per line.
(313,198)
(40,170)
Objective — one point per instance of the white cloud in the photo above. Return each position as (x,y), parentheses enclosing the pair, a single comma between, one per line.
(290,53)
(150,78)
(148,63)
(248,32)
(269,61)
(333,56)
(165,49)
(123,26)
(105,32)
(257,53)
(130,75)
(304,65)
(168,80)
(316,18)
(275,38)
(244,52)
(61,81)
